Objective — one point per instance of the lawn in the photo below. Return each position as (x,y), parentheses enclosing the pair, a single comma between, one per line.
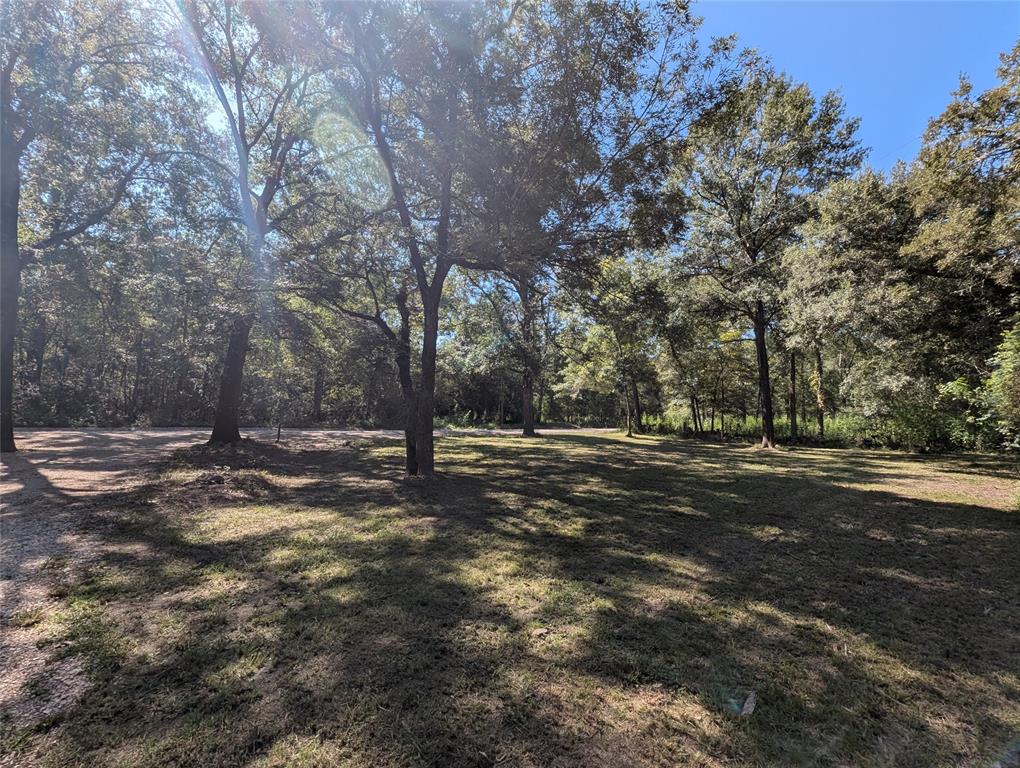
(584,600)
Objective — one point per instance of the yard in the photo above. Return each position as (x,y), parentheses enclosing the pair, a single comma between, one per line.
(580,599)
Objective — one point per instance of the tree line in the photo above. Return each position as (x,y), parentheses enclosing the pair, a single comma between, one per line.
(495,212)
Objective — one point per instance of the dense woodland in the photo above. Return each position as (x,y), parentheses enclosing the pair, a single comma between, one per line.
(494,213)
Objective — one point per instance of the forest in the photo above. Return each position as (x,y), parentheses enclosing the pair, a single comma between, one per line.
(487,214)
(532,383)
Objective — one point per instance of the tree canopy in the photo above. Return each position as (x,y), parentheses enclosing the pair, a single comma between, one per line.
(501,212)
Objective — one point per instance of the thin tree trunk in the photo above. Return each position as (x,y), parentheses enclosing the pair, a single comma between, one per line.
(528,338)
(317,393)
(803,400)
(793,395)
(182,364)
(139,377)
(638,414)
(10,282)
(768,437)
(225,427)
(722,408)
(819,393)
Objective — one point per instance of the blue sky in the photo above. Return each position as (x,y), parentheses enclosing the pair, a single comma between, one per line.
(895,63)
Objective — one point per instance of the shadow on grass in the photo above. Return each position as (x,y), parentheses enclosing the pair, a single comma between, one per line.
(573,601)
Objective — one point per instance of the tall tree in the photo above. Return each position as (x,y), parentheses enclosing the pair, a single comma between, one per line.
(748,169)
(965,191)
(265,95)
(916,276)
(77,80)
(424,83)
(612,349)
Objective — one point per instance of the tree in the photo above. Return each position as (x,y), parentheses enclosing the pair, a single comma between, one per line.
(965,191)
(611,349)
(1002,389)
(425,83)
(916,276)
(747,169)
(76,81)
(848,287)
(363,278)
(266,98)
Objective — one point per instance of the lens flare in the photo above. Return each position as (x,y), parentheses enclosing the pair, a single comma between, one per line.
(351,160)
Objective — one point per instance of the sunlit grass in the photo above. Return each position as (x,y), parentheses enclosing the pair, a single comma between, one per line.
(588,600)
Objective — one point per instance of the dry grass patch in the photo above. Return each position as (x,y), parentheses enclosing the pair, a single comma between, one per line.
(575,600)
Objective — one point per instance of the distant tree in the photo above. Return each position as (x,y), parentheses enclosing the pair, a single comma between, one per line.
(965,191)
(847,286)
(916,277)
(1002,389)
(747,170)
(611,347)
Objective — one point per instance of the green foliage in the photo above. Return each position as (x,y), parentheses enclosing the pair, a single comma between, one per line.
(576,199)
(1002,389)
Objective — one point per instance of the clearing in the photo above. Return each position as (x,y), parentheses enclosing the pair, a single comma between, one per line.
(578,600)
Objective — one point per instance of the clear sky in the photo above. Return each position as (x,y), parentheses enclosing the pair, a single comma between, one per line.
(895,63)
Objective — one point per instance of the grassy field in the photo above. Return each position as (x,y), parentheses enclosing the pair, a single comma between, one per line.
(568,601)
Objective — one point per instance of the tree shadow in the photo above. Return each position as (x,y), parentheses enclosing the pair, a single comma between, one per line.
(572,601)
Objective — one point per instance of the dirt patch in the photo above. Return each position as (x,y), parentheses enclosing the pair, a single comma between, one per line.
(47,488)
(40,551)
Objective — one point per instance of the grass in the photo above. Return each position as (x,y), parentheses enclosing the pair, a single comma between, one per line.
(568,601)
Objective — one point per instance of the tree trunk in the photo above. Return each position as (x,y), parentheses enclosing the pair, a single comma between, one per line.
(630,426)
(819,393)
(10,283)
(424,438)
(528,340)
(140,372)
(225,427)
(722,408)
(182,361)
(638,415)
(768,437)
(803,400)
(527,408)
(407,387)
(793,395)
